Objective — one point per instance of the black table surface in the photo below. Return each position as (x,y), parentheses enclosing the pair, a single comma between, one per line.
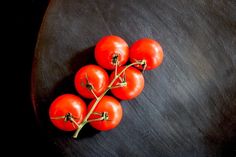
(188,105)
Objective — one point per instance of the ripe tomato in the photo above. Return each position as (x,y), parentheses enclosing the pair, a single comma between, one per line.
(65,107)
(114,112)
(110,48)
(135,83)
(91,77)
(149,50)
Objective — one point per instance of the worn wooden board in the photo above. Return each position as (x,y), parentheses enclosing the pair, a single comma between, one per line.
(188,105)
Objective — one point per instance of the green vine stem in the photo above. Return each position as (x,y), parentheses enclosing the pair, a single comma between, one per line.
(110,86)
(67,117)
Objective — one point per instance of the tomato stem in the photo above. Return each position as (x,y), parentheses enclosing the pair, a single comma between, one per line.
(67,117)
(59,117)
(144,65)
(104,116)
(73,121)
(80,126)
(115,58)
(94,120)
(110,86)
(97,113)
(122,84)
(116,66)
(93,93)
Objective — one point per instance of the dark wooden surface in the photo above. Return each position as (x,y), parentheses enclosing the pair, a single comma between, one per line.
(188,105)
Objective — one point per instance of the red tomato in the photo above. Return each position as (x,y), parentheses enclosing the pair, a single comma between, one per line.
(114,112)
(91,77)
(149,50)
(110,47)
(65,107)
(135,83)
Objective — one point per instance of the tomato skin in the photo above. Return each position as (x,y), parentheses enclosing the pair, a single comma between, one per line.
(115,113)
(107,47)
(96,75)
(135,83)
(147,49)
(67,103)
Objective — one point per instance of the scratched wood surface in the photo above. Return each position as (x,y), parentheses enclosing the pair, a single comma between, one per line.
(188,105)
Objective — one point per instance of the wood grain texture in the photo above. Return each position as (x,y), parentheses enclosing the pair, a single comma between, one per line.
(188,105)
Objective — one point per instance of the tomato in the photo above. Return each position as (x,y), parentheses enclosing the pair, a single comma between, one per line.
(91,79)
(110,48)
(134,83)
(65,107)
(114,111)
(148,50)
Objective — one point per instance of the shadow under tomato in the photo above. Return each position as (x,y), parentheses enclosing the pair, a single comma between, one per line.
(87,131)
(66,85)
(82,58)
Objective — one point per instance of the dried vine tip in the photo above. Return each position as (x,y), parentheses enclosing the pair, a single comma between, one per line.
(68,117)
(115,58)
(144,64)
(88,85)
(105,116)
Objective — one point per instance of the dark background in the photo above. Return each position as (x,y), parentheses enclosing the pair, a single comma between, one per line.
(23,135)
(39,144)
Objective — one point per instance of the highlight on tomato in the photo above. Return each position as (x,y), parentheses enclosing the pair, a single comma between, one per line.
(111,50)
(67,111)
(91,81)
(149,50)
(109,109)
(129,85)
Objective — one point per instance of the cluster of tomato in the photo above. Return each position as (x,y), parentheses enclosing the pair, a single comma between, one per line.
(69,112)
